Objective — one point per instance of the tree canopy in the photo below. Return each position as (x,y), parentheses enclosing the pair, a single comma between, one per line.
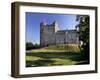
(83,31)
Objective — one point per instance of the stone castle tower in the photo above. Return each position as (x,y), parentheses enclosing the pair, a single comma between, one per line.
(50,34)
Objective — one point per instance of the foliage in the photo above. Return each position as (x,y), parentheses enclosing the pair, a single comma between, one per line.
(83,30)
(30,45)
(36,46)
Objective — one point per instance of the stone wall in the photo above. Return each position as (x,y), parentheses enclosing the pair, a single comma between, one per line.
(51,35)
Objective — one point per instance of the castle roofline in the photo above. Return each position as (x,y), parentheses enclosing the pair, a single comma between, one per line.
(44,23)
(55,22)
(71,30)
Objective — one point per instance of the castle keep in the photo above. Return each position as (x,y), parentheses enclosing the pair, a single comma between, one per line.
(52,35)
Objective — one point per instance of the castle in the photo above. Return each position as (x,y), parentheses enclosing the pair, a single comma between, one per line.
(52,35)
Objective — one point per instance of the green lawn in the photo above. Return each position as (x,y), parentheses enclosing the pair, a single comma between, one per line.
(55,56)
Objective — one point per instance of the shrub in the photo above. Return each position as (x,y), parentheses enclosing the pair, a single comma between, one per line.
(30,45)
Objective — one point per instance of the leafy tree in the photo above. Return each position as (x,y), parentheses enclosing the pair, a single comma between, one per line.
(29,45)
(83,31)
(36,46)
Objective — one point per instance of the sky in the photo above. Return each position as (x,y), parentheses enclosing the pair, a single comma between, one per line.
(33,20)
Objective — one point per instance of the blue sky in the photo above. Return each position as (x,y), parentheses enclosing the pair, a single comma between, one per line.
(33,20)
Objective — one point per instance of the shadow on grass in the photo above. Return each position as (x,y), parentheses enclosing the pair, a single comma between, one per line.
(48,56)
(52,54)
(36,63)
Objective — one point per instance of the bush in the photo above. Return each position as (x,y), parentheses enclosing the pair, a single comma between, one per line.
(30,45)
(36,46)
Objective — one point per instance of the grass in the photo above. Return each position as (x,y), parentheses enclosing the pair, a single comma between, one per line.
(68,47)
(55,56)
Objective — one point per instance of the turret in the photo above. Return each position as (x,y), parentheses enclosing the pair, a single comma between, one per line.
(43,24)
(56,27)
(55,23)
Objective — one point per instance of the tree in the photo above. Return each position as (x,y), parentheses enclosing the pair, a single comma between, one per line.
(36,46)
(83,31)
(29,45)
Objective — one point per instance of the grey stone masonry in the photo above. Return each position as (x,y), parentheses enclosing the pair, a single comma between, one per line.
(52,35)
